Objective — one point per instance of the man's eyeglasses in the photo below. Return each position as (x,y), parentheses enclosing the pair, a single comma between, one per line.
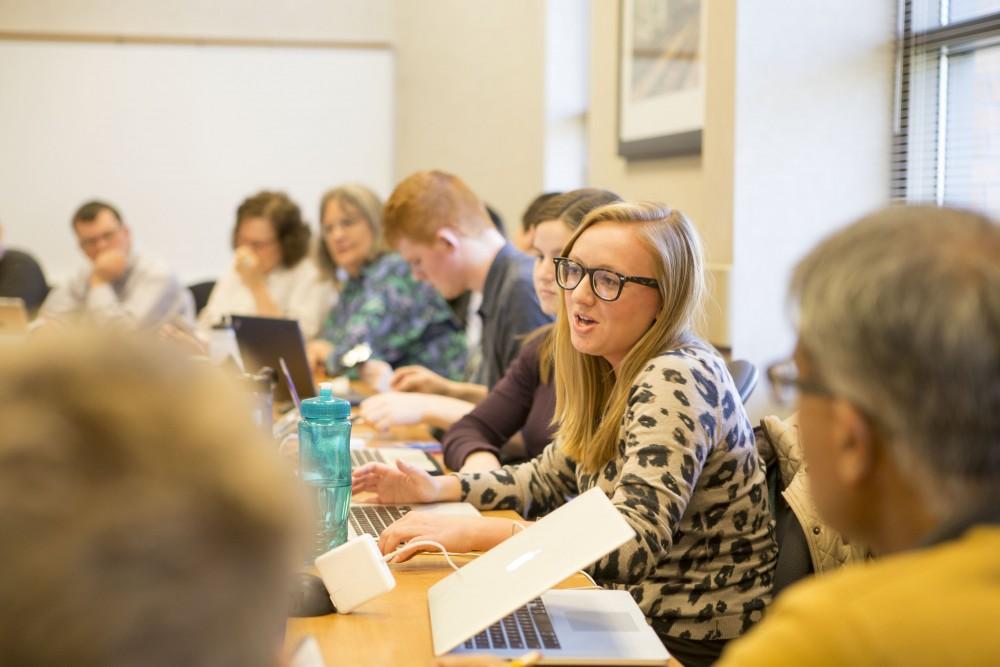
(605,283)
(94,241)
(787,386)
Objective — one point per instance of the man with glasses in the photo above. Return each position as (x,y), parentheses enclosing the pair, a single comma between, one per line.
(119,286)
(897,380)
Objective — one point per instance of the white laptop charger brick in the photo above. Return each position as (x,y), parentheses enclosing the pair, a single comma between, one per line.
(354,573)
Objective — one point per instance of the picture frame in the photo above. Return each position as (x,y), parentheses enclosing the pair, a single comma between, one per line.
(661,78)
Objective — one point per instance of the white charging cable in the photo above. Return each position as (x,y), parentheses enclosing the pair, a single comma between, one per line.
(426,543)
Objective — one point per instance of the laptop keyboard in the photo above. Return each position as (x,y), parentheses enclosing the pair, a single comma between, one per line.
(527,627)
(359,457)
(372,519)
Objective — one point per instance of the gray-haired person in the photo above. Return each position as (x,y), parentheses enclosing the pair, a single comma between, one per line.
(897,370)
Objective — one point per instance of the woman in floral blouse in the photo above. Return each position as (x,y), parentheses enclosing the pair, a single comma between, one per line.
(403,321)
(649,414)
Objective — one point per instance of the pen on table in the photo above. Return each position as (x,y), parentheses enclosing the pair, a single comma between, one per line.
(526,660)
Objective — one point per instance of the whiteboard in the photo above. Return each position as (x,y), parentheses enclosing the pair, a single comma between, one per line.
(177,136)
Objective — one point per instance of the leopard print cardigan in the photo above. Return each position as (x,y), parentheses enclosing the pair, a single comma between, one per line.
(688,479)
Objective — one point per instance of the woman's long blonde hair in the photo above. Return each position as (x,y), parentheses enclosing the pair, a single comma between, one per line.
(590,400)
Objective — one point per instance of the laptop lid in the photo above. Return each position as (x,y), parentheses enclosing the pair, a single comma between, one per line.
(264,341)
(523,567)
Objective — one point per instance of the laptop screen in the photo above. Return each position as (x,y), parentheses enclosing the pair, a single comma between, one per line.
(523,567)
(265,340)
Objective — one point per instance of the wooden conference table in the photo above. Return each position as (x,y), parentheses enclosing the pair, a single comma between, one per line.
(395,628)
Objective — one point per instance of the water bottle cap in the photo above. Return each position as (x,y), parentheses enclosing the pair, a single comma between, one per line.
(326,405)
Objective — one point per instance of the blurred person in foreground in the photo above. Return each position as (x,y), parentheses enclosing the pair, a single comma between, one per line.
(897,372)
(143,519)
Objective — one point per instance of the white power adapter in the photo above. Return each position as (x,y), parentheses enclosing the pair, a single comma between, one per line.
(354,573)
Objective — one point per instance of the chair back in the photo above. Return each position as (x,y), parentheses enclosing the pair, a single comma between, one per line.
(201,291)
(745,377)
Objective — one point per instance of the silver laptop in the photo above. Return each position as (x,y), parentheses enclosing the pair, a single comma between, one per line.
(500,603)
(372,518)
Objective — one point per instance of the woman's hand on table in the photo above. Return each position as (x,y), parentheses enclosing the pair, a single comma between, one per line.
(393,408)
(419,379)
(455,533)
(403,483)
(376,374)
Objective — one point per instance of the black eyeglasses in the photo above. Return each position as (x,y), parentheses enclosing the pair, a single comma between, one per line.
(787,386)
(605,283)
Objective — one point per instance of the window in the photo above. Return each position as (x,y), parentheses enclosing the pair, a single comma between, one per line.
(947,121)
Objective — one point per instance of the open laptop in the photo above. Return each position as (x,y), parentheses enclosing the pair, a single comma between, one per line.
(500,603)
(372,518)
(265,340)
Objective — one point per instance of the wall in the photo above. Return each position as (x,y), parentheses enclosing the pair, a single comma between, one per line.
(812,146)
(470,96)
(699,185)
(176,134)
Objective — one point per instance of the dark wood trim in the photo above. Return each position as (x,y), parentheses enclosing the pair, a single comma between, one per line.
(683,143)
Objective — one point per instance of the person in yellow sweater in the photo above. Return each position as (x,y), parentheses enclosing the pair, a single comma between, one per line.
(897,371)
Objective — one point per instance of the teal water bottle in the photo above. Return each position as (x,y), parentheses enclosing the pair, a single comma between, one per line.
(325,464)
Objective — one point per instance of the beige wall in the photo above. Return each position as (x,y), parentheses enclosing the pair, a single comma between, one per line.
(812,146)
(170,118)
(370,20)
(470,95)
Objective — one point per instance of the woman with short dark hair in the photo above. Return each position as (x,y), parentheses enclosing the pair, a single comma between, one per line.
(272,274)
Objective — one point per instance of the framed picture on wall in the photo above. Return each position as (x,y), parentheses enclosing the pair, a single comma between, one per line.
(661,78)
